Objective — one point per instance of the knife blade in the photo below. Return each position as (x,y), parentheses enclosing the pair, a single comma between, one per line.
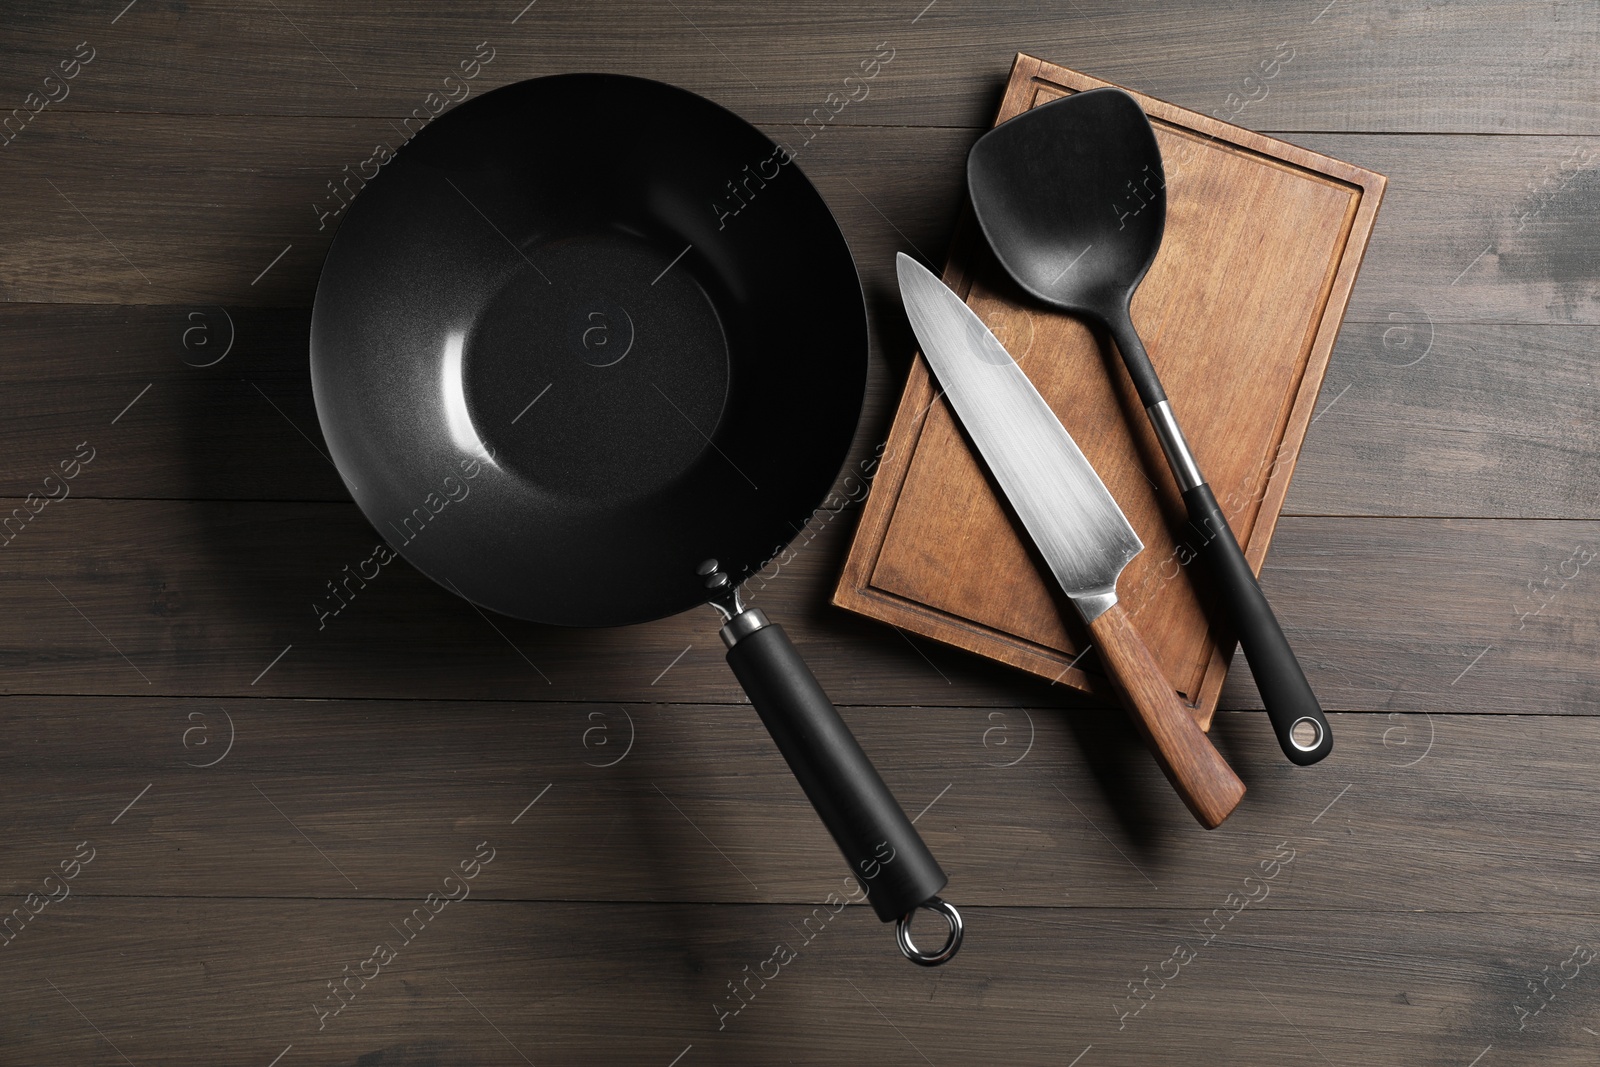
(1072,520)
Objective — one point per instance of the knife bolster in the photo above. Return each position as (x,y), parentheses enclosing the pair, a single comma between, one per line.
(1095,603)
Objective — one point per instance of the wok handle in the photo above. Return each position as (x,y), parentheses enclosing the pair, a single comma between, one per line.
(1292,707)
(883,849)
(1191,763)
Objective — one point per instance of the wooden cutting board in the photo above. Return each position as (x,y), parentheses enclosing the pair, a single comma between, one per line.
(1239,313)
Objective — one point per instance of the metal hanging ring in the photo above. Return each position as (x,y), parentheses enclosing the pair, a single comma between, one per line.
(902,934)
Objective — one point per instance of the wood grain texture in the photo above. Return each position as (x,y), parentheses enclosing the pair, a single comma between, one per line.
(1385,69)
(1510,612)
(1422,418)
(202,209)
(160,209)
(1443,855)
(1415,417)
(1406,851)
(1204,781)
(200,598)
(1444,814)
(1515,246)
(563,983)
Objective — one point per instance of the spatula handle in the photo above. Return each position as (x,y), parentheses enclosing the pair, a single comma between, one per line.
(1292,707)
(1194,767)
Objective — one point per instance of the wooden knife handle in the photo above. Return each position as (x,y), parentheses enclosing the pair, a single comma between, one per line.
(1191,763)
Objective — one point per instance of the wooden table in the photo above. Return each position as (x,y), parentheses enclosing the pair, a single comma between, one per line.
(224,796)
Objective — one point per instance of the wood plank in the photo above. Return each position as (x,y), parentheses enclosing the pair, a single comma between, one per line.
(224,405)
(571,983)
(368,799)
(1438,615)
(207,598)
(1417,418)
(1423,418)
(221,402)
(1355,67)
(1474,229)
(201,599)
(1462,242)
(178,210)
(1394,865)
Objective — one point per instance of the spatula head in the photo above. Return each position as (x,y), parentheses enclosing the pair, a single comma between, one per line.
(1072,198)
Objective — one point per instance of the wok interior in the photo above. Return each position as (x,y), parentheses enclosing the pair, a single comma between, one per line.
(582,334)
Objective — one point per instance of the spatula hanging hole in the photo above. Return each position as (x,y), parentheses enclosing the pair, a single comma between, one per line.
(1306,734)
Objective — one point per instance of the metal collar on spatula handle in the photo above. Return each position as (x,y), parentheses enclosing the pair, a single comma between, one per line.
(885,854)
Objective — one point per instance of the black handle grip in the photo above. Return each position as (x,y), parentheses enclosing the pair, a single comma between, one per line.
(883,849)
(1290,703)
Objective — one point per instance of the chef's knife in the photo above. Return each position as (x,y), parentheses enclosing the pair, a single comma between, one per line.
(1072,519)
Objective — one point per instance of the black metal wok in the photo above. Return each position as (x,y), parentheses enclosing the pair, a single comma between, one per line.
(633,324)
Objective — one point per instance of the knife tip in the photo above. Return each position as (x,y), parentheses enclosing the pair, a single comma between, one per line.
(907,267)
